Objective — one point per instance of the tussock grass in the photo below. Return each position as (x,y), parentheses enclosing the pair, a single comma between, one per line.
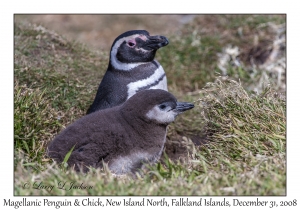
(232,143)
(247,131)
(230,108)
(35,121)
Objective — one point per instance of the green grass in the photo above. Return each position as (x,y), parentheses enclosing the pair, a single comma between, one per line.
(55,80)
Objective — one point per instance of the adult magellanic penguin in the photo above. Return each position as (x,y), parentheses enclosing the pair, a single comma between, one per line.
(131,68)
(125,137)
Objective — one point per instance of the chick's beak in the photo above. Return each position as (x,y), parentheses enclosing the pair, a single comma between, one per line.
(183,106)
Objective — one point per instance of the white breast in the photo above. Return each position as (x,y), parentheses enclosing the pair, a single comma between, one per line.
(125,164)
(157,80)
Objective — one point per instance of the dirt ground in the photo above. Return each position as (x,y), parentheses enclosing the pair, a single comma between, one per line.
(99,31)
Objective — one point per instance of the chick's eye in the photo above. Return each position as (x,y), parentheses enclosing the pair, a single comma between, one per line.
(162,106)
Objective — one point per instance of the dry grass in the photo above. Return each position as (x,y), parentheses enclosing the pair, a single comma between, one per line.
(99,31)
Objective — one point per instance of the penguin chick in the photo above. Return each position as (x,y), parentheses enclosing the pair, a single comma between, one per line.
(125,137)
(131,68)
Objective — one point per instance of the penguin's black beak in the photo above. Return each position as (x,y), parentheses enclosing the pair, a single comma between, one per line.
(156,42)
(183,106)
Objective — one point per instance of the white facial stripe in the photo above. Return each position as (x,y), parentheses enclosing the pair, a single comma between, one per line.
(161,116)
(143,50)
(113,55)
(133,87)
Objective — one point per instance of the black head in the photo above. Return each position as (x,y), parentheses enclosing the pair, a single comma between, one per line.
(154,105)
(135,46)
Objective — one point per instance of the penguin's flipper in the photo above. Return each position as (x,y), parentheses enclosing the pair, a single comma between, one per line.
(100,102)
(108,96)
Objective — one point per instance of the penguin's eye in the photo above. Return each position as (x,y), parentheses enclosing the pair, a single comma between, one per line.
(131,44)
